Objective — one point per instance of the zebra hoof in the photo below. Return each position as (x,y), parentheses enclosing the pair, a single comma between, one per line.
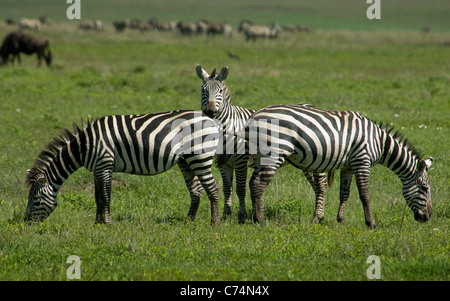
(242,217)
(226,215)
(316,220)
(372,225)
(340,219)
(261,221)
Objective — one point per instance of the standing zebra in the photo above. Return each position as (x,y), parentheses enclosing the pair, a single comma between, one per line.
(137,144)
(322,140)
(216,103)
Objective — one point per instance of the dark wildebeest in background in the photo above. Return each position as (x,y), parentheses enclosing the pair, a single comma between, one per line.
(16,42)
(121,25)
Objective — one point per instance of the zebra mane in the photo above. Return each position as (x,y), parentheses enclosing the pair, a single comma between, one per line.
(55,145)
(400,138)
(227,92)
(213,74)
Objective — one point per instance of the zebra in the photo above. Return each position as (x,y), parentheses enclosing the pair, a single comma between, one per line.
(145,144)
(252,31)
(216,103)
(320,140)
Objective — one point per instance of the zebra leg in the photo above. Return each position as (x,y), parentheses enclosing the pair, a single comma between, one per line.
(193,185)
(309,176)
(103,179)
(241,182)
(362,181)
(320,184)
(208,182)
(226,172)
(344,192)
(259,181)
(212,190)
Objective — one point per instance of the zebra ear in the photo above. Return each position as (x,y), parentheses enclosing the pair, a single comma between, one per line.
(202,74)
(428,162)
(424,164)
(223,74)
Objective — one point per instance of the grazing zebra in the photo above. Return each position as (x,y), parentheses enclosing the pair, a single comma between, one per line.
(216,103)
(320,140)
(137,144)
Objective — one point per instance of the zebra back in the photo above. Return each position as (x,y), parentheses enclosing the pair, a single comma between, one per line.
(137,144)
(320,140)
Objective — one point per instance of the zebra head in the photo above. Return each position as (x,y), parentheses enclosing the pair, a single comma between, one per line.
(41,199)
(214,92)
(417,192)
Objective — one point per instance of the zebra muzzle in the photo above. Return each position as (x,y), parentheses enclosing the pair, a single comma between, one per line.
(422,216)
(210,109)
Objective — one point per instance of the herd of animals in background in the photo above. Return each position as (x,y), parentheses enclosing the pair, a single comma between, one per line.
(16,42)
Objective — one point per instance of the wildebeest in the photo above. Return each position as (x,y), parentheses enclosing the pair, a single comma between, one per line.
(289,28)
(120,25)
(162,26)
(304,28)
(10,21)
(16,42)
(188,29)
(139,25)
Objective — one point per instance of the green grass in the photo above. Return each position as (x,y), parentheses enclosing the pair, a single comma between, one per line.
(397,77)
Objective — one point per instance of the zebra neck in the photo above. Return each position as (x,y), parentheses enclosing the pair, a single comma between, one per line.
(398,158)
(233,118)
(64,162)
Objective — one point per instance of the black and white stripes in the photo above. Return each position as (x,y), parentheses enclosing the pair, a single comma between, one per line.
(317,141)
(216,103)
(320,140)
(137,144)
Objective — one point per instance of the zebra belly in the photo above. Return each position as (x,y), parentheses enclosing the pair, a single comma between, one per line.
(150,166)
(318,165)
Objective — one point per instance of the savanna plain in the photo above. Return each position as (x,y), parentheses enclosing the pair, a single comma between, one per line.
(398,77)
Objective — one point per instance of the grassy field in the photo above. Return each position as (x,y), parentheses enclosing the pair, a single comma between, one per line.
(398,77)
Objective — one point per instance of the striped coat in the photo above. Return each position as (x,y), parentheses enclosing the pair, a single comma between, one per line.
(216,103)
(146,144)
(319,140)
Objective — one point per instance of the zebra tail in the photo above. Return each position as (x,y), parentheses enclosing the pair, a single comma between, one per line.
(330,178)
